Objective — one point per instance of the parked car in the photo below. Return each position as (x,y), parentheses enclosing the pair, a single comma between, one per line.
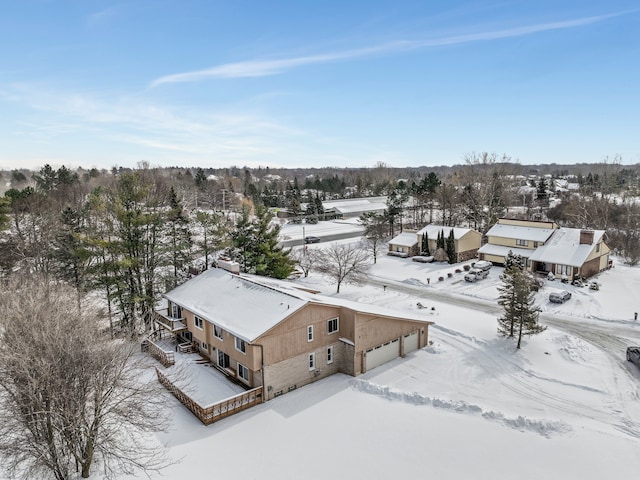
(483,265)
(633,355)
(311,239)
(559,297)
(475,274)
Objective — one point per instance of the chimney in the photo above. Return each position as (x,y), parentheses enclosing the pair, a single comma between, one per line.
(586,237)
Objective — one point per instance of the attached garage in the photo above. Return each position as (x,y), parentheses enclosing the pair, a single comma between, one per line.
(383,353)
(410,342)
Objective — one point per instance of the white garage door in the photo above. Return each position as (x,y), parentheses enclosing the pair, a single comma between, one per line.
(382,354)
(410,342)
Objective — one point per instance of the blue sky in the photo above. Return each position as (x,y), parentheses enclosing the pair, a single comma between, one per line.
(317,83)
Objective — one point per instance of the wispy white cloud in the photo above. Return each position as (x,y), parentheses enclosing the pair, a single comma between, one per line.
(165,133)
(101,17)
(261,68)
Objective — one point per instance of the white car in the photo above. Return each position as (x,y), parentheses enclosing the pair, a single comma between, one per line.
(475,274)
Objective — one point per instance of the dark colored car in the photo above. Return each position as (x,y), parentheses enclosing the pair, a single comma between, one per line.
(559,297)
(633,355)
(311,239)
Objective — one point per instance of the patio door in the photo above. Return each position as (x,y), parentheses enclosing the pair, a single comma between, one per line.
(223,359)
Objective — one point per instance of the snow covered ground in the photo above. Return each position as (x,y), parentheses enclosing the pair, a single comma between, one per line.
(469,406)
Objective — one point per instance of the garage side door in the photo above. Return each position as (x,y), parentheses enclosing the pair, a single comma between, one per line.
(410,342)
(382,354)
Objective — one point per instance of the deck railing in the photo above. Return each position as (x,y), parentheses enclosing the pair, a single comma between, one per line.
(165,357)
(217,411)
(170,323)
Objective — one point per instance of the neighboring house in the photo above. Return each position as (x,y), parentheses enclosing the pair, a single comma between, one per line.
(405,244)
(522,237)
(548,248)
(354,207)
(572,251)
(266,333)
(467,241)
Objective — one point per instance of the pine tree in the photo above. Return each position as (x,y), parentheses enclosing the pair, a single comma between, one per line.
(425,244)
(520,315)
(178,239)
(255,245)
(450,247)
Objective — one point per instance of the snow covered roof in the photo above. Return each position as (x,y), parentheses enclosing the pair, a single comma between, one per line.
(248,306)
(564,248)
(303,293)
(502,251)
(240,306)
(356,205)
(520,232)
(405,239)
(434,230)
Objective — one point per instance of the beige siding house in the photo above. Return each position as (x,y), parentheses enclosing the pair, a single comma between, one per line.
(268,333)
(467,241)
(409,243)
(547,247)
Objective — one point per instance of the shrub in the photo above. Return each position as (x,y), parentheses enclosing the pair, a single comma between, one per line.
(458,270)
(467,268)
(440,279)
(449,275)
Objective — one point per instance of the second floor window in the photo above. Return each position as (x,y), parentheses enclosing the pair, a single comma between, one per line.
(309,333)
(522,243)
(198,322)
(241,346)
(217,332)
(332,325)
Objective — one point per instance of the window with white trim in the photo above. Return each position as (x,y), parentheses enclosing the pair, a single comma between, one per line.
(564,270)
(176,311)
(243,372)
(312,361)
(597,248)
(329,355)
(199,323)
(217,332)
(522,243)
(241,346)
(310,333)
(332,325)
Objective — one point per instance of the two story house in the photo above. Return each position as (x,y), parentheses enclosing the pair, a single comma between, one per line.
(548,248)
(266,333)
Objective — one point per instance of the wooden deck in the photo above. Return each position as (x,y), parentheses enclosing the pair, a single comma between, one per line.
(217,411)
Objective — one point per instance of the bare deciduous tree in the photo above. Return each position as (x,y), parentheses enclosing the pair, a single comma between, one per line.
(70,397)
(344,263)
(306,259)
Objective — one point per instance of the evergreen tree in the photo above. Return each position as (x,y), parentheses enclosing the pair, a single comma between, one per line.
(178,239)
(200,179)
(520,315)
(451,247)
(541,190)
(440,240)
(255,245)
(425,244)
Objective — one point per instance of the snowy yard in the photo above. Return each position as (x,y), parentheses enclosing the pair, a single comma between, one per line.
(469,406)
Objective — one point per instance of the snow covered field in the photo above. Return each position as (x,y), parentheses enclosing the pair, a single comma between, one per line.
(469,406)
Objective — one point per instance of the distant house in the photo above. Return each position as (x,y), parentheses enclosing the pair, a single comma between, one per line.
(268,334)
(572,251)
(547,247)
(467,241)
(405,244)
(522,237)
(354,207)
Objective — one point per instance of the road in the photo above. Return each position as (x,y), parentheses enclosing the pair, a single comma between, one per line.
(327,237)
(612,337)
